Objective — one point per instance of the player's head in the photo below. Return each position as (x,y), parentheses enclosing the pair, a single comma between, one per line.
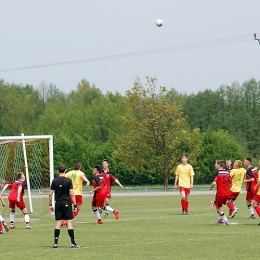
(237,164)
(105,163)
(247,162)
(77,166)
(184,158)
(20,176)
(96,169)
(61,168)
(228,162)
(219,164)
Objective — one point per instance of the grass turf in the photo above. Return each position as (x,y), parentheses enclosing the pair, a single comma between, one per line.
(148,228)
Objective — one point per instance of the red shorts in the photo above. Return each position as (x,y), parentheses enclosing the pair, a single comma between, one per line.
(257,198)
(21,205)
(233,195)
(250,196)
(78,200)
(220,200)
(97,203)
(186,190)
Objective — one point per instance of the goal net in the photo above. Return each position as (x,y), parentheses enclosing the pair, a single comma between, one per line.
(32,155)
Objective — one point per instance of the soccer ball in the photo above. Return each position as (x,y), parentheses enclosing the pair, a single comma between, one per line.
(159,22)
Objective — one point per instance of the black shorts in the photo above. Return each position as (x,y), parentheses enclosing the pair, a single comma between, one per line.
(63,210)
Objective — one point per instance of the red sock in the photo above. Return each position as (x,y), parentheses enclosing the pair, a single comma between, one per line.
(257,209)
(231,206)
(186,205)
(1,226)
(183,205)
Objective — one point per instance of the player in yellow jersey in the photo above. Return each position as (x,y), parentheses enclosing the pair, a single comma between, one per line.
(184,177)
(77,177)
(237,175)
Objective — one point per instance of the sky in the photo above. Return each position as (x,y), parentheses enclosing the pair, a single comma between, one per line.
(201,45)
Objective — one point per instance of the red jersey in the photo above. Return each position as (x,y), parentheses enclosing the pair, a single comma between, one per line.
(251,173)
(223,181)
(108,179)
(99,181)
(14,189)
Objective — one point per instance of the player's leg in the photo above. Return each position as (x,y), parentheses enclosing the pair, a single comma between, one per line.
(249,205)
(58,218)
(22,207)
(2,223)
(95,204)
(107,208)
(79,204)
(107,204)
(183,202)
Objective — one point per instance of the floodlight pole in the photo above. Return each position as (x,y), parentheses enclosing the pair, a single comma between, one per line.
(256,38)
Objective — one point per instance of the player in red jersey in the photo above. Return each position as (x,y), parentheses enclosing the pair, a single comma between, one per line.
(223,182)
(256,200)
(16,198)
(251,181)
(109,177)
(99,191)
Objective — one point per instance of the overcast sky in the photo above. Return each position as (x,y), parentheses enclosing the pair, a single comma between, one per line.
(54,31)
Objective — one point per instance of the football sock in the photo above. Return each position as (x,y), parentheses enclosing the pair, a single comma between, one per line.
(183,204)
(108,208)
(56,235)
(96,213)
(1,219)
(250,209)
(186,205)
(71,234)
(26,218)
(12,214)
(257,209)
(1,226)
(223,217)
(231,206)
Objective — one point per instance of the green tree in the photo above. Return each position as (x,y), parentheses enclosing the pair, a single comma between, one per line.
(215,145)
(157,135)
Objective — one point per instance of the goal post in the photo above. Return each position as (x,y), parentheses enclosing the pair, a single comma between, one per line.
(32,155)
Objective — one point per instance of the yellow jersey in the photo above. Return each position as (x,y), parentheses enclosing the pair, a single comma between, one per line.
(184,172)
(237,176)
(77,181)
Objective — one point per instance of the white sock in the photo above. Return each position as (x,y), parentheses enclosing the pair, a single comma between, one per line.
(224,218)
(251,210)
(108,209)
(12,214)
(1,218)
(26,218)
(97,215)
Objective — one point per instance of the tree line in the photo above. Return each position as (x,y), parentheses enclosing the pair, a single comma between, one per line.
(142,133)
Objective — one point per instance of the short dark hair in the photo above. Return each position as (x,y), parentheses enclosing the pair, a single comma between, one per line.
(77,166)
(19,175)
(105,160)
(61,168)
(98,168)
(221,163)
(249,159)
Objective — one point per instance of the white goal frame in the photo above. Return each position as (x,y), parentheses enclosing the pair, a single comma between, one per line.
(23,139)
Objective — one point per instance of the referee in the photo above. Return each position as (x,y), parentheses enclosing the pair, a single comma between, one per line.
(63,189)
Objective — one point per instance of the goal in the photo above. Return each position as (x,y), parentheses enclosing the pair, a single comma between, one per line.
(32,155)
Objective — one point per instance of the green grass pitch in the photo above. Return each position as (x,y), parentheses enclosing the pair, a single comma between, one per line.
(149,227)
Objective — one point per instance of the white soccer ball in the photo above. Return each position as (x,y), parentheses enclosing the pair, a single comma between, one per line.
(159,22)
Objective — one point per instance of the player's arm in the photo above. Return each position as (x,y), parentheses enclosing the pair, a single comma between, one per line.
(98,186)
(118,183)
(19,193)
(251,177)
(176,181)
(72,197)
(84,178)
(191,181)
(50,201)
(4,189)
(212,185)
(256,186)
